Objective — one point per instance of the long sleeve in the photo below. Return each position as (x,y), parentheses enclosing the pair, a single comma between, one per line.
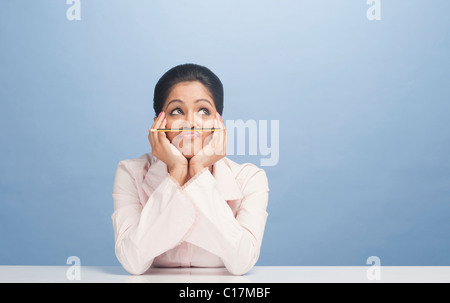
(144,232)
(236,240)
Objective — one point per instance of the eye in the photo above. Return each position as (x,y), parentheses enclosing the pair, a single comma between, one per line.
(204,111)
(176,111)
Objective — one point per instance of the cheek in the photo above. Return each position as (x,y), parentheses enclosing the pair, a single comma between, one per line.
(175,123)
(170,136)
(205,137)
(208,122)
(169,124)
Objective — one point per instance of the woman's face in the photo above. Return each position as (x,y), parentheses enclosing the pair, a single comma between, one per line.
(189,105)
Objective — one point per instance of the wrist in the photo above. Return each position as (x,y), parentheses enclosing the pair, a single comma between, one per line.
(194,169)
(177,168)
(179,173)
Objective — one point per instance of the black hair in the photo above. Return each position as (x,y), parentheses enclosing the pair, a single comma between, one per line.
(187,72)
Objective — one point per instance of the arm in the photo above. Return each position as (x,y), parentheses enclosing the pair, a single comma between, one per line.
(236,240)
(144,232)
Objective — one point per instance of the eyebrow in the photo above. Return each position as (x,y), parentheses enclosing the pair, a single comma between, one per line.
(198,100)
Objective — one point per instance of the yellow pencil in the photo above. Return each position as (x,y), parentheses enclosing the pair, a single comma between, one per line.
(184,129)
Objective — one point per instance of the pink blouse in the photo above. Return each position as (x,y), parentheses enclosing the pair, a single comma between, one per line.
(213,220)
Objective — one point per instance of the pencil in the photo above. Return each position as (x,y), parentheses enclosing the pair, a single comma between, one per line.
(184,130)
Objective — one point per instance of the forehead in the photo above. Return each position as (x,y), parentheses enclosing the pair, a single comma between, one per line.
(189,92)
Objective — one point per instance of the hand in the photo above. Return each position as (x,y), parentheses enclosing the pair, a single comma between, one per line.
(213,151)
(165,151)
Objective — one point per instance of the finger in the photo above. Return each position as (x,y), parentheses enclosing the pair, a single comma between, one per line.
(224,131)
(225,139)
(153,136)
(208,148)
(162,135)
(219,121)
(158,120)
(223,136)
(157,125)
(220,134)
(219,138)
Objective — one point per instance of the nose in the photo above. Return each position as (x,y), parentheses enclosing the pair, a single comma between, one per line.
(190,120)
(193,120)
(186,122)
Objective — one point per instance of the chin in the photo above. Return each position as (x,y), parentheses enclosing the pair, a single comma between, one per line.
(190,151)
(188,148)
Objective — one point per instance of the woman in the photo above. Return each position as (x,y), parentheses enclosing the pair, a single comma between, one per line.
(186,204)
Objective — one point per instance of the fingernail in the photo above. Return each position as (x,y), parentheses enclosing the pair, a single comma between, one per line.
(160,114)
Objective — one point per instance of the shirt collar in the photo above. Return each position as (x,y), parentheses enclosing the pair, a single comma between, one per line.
(227,184)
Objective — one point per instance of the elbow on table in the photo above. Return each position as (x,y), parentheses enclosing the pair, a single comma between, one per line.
(132,263)
(241,259)
(241,268)
(135,270)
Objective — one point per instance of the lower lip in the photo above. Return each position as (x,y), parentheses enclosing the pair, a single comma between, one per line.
(190,135)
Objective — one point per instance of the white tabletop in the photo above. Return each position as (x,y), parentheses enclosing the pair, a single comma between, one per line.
(259,274)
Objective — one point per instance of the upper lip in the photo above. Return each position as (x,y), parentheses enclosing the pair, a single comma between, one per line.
(189,132)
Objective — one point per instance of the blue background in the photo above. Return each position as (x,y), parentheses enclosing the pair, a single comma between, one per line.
(363,108)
